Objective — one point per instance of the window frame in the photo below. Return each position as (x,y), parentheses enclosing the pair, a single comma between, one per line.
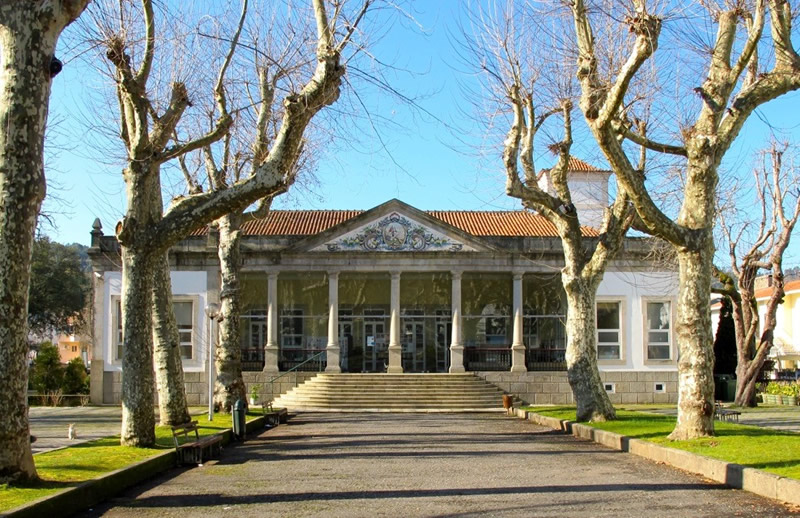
(646,331)
(622,341)
(117,338)
(195,327)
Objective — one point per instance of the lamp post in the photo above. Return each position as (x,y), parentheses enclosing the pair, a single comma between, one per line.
(212,312)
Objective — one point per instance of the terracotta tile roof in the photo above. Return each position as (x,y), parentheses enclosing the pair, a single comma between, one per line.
(503,224)
(578,166)
(789,286)
(297,222)
(476,223)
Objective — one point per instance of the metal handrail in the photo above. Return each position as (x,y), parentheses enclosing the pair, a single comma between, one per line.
(293,369)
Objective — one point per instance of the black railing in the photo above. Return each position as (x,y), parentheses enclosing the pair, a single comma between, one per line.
(298,359)
(253,360)
(546,360)
(487,359)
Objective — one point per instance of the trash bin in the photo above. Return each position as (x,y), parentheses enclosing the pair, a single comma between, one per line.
(724,387)
(239,418)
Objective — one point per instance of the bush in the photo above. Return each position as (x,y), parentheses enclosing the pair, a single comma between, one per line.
(75,378)
(48,372)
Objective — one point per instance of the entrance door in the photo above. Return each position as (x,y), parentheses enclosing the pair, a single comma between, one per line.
(444,332)
(376,352)
(414,347)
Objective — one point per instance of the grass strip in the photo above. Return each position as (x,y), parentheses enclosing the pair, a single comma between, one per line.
(769,450)
(68,467)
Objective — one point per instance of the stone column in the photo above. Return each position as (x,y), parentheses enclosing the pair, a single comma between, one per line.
(457,344)
(395,349)
(517,346)
(271,350)
(332,349)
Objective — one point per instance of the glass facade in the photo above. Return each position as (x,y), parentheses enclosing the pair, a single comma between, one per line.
(426,328)
(544,321)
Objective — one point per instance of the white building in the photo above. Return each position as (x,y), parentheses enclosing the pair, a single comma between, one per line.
(411,291)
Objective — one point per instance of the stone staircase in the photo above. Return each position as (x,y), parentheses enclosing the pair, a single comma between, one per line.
(393,393)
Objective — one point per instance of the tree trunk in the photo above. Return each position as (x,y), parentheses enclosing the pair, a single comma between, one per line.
(143,189)
(167,362)
(229,384)
(696,343)
(138,419)
(26,46)
(593,404)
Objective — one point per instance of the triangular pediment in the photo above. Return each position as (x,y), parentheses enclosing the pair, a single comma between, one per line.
(392,227)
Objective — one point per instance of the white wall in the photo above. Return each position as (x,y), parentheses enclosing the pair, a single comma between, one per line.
(184,284)
(633,289)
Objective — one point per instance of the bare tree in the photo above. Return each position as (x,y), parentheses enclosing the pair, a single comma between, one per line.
(776,190)
(279,61)
(145,233)
(29,32)
(523,85)
(732,84)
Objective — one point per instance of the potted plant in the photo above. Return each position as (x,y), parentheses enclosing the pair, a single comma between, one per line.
(255,393)
(789,394)
(771,394)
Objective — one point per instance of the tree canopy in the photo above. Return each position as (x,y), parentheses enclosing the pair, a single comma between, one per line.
(59,286)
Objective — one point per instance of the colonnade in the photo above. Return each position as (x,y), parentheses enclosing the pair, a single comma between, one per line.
(333,349)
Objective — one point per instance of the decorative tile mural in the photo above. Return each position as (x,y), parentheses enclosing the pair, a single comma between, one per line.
(394,233)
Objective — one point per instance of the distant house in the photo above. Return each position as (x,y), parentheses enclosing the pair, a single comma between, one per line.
(411,291)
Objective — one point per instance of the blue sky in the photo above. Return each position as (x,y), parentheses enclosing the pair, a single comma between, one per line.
(431,162)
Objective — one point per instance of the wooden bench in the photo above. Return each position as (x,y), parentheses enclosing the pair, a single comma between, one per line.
(274,417)
(724,414)
(195,449)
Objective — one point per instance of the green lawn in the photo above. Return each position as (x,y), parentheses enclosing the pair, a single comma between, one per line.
(68,467)
(769,450)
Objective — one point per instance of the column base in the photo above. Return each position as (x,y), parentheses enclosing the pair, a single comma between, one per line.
(395,360)
(518,358)
(271,360)
(457,359)
(332,363)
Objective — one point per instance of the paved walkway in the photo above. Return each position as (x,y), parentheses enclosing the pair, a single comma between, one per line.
(428,465)
(50,424)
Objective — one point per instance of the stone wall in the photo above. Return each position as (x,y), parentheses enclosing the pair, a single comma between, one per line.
(552,388)
(197,385)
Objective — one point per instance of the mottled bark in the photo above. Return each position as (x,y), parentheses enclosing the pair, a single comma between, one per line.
(28,36)
(172,405)
(696,344)
(729,92)
(144,235)
(229,384)
(138,419)
(591,399)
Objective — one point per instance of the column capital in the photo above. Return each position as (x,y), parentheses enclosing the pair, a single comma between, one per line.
(272,275)
(395,274)
(517,274)
(333,274)
(456,274)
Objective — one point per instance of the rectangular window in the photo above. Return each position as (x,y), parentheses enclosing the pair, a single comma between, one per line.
(658,331)
(608,331)
(118,339)
(292,328)
(184,317)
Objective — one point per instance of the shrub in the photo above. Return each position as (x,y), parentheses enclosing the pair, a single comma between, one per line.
(773,387)
(75,378)
(48,373)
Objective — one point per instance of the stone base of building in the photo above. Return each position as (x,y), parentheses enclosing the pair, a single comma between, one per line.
(197,386)
(552,388)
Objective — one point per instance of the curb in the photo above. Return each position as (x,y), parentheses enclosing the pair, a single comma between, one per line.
(91,492)
(733,475)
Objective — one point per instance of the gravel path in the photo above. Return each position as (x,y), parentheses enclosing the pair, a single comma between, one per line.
(428,465)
